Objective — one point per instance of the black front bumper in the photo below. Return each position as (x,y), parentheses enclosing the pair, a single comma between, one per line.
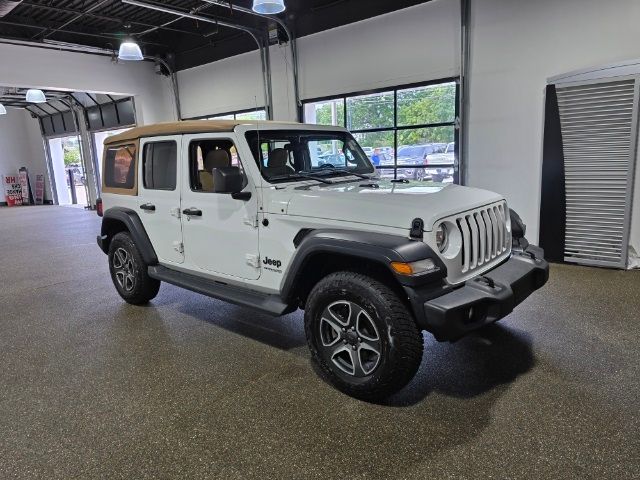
(450,313)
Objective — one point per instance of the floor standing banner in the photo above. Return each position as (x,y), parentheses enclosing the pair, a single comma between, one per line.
(12,190)
(39,189)
(23,175)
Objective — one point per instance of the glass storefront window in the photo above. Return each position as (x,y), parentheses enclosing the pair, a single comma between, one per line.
(370,111)
(412,126)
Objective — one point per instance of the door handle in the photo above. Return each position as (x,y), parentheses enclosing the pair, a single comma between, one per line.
(148,207)
(192,212)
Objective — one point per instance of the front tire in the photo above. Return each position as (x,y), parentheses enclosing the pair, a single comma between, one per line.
(129,271)
(362,336)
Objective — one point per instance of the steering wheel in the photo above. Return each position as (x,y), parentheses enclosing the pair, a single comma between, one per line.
(327,165)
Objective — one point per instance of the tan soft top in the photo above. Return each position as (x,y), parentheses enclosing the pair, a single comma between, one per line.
(180,128)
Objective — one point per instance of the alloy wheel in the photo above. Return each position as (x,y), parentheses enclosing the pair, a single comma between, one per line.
(350,339)
(124,269)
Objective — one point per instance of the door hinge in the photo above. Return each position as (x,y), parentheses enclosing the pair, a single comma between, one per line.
(253,260)
(175,212)
(178,247)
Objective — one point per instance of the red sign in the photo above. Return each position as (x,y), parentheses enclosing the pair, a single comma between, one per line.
(12,190)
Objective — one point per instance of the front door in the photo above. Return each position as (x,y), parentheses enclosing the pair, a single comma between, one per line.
(220,232)
(159,196)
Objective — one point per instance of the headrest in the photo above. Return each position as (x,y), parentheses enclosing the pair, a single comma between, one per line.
(217,159)
(278,158)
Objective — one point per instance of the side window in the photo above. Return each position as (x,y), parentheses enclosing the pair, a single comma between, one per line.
(207,154)
(159,165)
(119,167)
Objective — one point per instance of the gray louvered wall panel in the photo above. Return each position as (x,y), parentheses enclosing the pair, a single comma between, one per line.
(598,123)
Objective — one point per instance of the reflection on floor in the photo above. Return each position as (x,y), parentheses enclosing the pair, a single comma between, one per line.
(189,387)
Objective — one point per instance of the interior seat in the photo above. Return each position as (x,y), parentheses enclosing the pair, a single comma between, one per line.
(214,159)
(277,163)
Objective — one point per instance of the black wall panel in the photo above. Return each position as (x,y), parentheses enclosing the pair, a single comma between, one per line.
(553,196)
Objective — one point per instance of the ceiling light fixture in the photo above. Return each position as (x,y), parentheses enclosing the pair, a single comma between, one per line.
(130,51)
(35,96)
(3,111)
(268,7)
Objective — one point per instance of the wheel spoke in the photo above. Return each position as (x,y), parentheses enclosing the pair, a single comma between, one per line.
(335,327)
(129,282)
(370,345)
(358,369)
(365,327)
(120,277)
(118,261)
(329,312)
(354,314)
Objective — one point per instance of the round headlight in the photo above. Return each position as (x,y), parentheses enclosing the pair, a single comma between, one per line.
(442,238)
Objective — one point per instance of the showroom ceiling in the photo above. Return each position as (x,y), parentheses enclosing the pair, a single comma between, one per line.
(57,101)
(103,24)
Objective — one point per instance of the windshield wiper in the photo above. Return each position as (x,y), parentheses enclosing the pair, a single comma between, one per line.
(300,175)
(342,170)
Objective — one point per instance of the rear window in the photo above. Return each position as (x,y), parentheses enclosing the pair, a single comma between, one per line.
(119,167)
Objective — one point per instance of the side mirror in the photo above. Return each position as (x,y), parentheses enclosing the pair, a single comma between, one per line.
(229,180)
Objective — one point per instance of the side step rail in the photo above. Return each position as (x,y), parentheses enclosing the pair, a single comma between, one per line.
(270,304)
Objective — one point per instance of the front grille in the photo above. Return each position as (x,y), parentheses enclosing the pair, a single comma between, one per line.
(484,236)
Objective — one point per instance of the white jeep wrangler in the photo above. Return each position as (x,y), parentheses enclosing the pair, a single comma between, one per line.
(279,216)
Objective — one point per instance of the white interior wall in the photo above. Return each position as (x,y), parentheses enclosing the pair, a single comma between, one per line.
(57,70)
(21,146)
(516,46)
(412,45)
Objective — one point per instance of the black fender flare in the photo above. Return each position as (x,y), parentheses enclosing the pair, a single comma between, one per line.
(133,224)
(380,248)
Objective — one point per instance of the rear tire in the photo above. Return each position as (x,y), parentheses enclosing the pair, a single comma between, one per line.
(129,271)
(362,336)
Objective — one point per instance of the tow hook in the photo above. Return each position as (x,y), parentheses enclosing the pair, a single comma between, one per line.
(487,281)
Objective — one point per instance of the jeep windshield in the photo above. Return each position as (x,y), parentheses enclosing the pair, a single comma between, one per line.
(294,155)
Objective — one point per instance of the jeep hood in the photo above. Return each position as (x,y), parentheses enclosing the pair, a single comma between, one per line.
(389,204)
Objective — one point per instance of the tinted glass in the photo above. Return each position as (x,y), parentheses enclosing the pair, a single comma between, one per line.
(330,112)
(427,105)
(159,165)
(370,111)
(436,138)
(119,171)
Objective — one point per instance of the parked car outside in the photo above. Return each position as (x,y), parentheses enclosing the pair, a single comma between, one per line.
(442,174)
(413,155)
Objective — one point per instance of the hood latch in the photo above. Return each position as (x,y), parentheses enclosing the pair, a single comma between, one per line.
(417,229)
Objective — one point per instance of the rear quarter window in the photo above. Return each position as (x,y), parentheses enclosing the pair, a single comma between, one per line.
(120,169)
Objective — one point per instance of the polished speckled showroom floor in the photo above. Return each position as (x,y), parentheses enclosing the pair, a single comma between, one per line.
(189,387)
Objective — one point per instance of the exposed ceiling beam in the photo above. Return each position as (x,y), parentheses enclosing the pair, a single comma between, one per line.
(106,36)
(69,22)
(170,22)
(106,18)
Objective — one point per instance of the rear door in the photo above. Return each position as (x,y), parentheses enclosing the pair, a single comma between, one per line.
(159,196)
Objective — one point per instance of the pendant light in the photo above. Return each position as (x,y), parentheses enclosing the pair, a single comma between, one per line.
(3,111)
(35,96)
(130,51)
(268,7)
